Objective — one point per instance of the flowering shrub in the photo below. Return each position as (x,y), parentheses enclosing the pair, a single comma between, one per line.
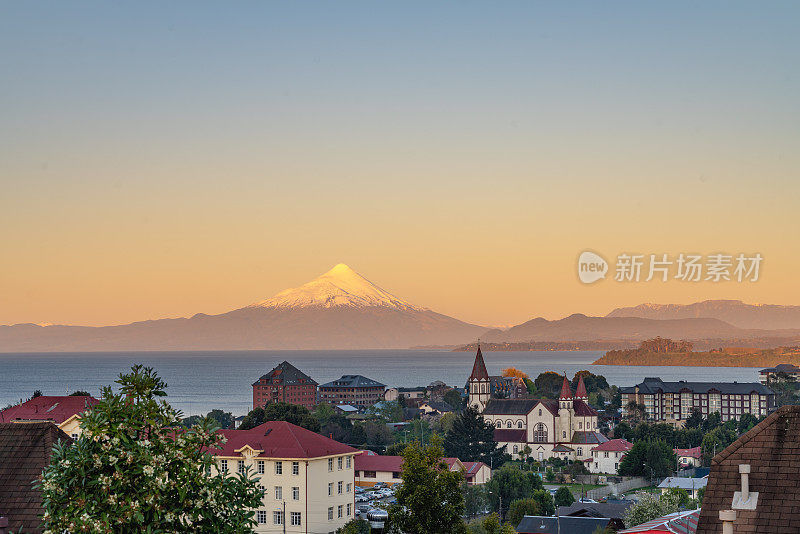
(133,470)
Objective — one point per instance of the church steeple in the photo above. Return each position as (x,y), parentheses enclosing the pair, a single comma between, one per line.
(479,368)
(580,392)
(566,391)
(480,389)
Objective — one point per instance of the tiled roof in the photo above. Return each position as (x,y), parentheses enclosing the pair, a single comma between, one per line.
(390,464)
(479,371)
(47,408)
(684,483)
(583,409)
(353,381)
(653,385)
(676,523)
(472,468)
(614,445)
(439,406)
(279,439)
(695,452)
(286,374)
(585,437)
(510,435)
(600,509)
(580,391)
(24,451)
(510,406)
(772,449)
(562,448)
(566,391)
(781,368)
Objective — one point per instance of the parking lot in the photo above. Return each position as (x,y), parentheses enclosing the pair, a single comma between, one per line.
(380,496)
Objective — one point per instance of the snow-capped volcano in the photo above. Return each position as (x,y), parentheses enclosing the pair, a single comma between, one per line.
(341,286)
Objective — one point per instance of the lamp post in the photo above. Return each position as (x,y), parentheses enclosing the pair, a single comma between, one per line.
(500,496)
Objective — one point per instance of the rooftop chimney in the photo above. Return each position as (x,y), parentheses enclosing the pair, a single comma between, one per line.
(727,517)
(745,499)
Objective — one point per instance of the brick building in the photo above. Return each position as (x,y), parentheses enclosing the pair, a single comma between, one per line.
(285,383)
(355,390)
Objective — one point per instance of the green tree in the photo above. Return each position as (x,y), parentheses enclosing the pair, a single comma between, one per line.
(648,459)
(548,384)
(650,507)
(471,439)
(131,471)
(281,411)
(490,525)
(519,508)
(355,526)
(475,501)
(396,449)
(716,441)
(454,399)
(685,502)
(545,500)
(508,484)
(746,422)
(695,420)
(430,500)
(564,496)
(80,393)
(37,393)
(700,493)
(593,383)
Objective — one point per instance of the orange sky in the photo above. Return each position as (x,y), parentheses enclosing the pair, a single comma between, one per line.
(461,162)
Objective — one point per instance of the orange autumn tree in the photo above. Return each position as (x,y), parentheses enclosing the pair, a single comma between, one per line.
(514,373)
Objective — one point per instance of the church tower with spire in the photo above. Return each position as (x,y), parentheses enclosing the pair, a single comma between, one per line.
(566,413)
(479,384)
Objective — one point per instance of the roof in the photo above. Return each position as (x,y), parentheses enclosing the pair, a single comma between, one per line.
(439,406)
(583,409)
(286,374)
(472,468)
(580,391)
(479,371)
(600,509)
(24,451)
(393,464)
(346,408)
(48,408)
(677,523)
(508,435)
(562,448)
(684,483)
(695,452)
(781,368)
(614,445)
(772,449)
(559,525)
(654,385)
(566,391)
(510,406)
(279,439)
(588,438)
(353,381)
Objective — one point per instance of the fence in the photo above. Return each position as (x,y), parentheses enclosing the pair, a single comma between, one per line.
(621,487)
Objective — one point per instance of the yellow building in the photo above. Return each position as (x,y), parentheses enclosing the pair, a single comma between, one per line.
(308,479)
(64,411)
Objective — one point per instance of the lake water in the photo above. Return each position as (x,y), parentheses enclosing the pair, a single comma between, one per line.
(201,381)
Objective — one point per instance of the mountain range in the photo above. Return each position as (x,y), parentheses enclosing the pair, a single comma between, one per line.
(343,310)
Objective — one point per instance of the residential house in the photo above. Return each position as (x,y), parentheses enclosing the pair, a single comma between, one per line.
(564,524)
(765,461)
(308,479)
(355,390)
(607,456)
(674,402)
(435,407)
(689,457)
(676,523)
(691,485)
(612,510)
(285,383)
(65,412)
(372,468)
(25,450)
(392,394)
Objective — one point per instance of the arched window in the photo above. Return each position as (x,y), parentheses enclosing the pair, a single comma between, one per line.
(516,449)
(540,433)
(499,424)
(508,424)
(580,451)
(563,434)
(519,424)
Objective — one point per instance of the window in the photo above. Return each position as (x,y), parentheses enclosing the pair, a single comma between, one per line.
(349,509)
(369,474)
(580,451)
(540,412)
(348,462)
(240,466)
(605,455)
(330,464)
(277,517)
(294,519)
(261,517)
(519,424)
(340,487)
(223,466)
(540,433)
(340,511)
(340,463)
(330,513)
(499,424)
(508,424)
(516,449)
(580,426)
(349,487)
(563,434)
(261,468)
(296,493)
(74,436)
(279,493)
(295,468)
(278,468)
(330,489)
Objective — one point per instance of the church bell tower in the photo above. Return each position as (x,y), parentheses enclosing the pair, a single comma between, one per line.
(479,384)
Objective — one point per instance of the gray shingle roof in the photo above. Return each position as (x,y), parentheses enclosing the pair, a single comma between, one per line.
(653,385)
(510,406)
(288,375)
(353,381)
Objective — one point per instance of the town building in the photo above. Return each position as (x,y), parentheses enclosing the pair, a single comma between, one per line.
(689,457)
(607,456)
(64,411)
(482,387)
(356,390)
(691,485)
(531,524)
(684,522)
(25,451)
(673,402)
(435,407)
(285,383)
(765,376)
(612,510)
(372,468)
(308,479)
(392,394)
(566,428)
(753,482)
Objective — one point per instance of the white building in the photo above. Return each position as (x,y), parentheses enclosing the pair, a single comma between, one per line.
(689,457)
(607,456)
(372,468)
(308,480)
(691,485)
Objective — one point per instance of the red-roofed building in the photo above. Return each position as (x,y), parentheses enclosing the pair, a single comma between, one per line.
(607,456)
(63,411)
(285,383)
(308,479)
(371,469)
(689,457)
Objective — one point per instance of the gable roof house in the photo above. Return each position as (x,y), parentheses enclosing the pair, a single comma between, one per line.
(25,450)
(63,411)
(754,481)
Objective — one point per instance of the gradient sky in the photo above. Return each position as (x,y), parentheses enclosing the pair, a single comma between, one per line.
(163,159)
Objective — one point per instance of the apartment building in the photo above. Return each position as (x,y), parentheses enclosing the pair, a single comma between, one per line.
(355,390)
(285,383)
(307,479)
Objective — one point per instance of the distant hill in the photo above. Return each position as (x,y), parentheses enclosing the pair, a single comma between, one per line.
(580,327)
(734,312)
(740,357)
(338,310)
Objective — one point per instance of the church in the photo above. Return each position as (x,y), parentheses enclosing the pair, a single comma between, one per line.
(566,428)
